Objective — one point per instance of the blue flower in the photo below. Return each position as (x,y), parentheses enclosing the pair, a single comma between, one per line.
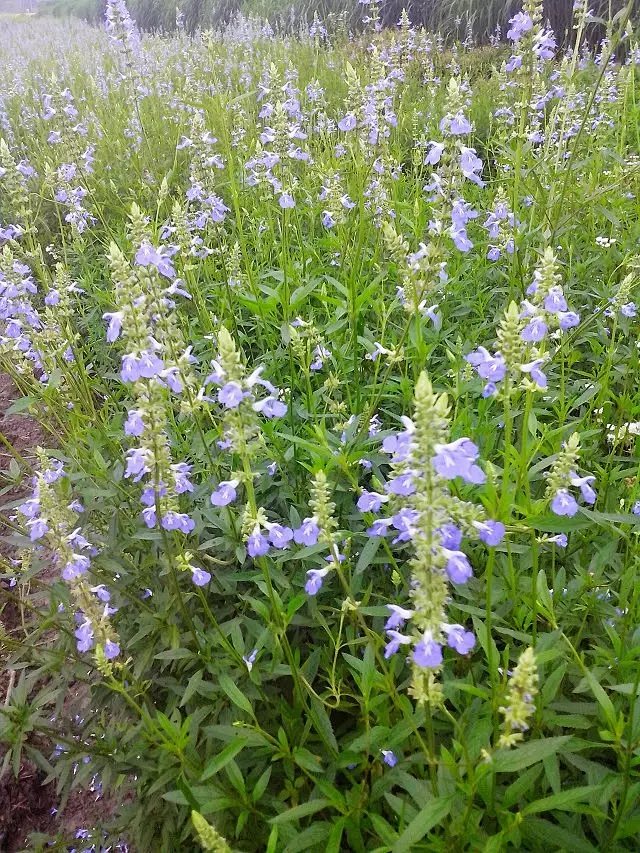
(257,544)
(315,579)
(490,532)
(280,536)
(427,652)
(399,616)
(172,520)
(396,639)
(225,493)
(564,504)
(459,639)
(457,459)
(458,566)
(231,395)
(199,576)
(586,489)
(389,757)
(308,532)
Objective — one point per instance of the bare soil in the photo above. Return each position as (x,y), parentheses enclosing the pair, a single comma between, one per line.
(26,804)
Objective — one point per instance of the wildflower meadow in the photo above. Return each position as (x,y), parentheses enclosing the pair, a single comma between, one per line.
(321,494)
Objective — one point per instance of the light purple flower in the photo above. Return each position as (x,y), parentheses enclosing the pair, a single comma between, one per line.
(280,536)
(270,407)
(84,636)
(567,319)
(450,536)
(554,301)
(115,325)
(78,565)
(458,566)
(490,532)
(401,485)
(584,484)
(134,425)
(564,504)
(225,493)
(459,124)
(180,471)
(389,757)
(520,24)
(404,522)
(560,540)
(137,463)
(470,164)
(257,544)
(491,368)
(380,527)
(148,255)
(347,123)
(111,650)
(371,501)
(459,639)
(434,154)
(172,520)
(308,532)
(286,201)
(396,639)
(38,528)
(534,371)
(199,576)
(457,459)
(535,331)
(427,653)
(398,617)
(315,579)
(231,395)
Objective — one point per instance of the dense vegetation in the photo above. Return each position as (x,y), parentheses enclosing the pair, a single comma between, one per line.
(334,344)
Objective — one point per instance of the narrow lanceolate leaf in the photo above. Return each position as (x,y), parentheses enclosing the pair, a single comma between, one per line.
(428,817)
(219,761)
(511,760)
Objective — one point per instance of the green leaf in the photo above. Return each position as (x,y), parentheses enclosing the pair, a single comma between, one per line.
(230,751)
(433,813)
(565,800)
(304,809)
(233,692)
(511,760)
(323,725)
(551,836)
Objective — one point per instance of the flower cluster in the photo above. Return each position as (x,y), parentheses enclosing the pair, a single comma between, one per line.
(433,522)
(153,364)
(520,704)
(563,476)
(51,521)
(520,356)
(320,527)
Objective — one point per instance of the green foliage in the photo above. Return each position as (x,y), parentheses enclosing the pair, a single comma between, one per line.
(243,712)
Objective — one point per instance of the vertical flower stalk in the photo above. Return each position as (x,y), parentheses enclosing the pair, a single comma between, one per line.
(433,522)
(520,700)
(52,521)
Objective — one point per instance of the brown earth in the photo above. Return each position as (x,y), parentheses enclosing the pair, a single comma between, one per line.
(26,805)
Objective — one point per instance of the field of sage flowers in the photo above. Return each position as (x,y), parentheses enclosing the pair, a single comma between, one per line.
(329,344)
